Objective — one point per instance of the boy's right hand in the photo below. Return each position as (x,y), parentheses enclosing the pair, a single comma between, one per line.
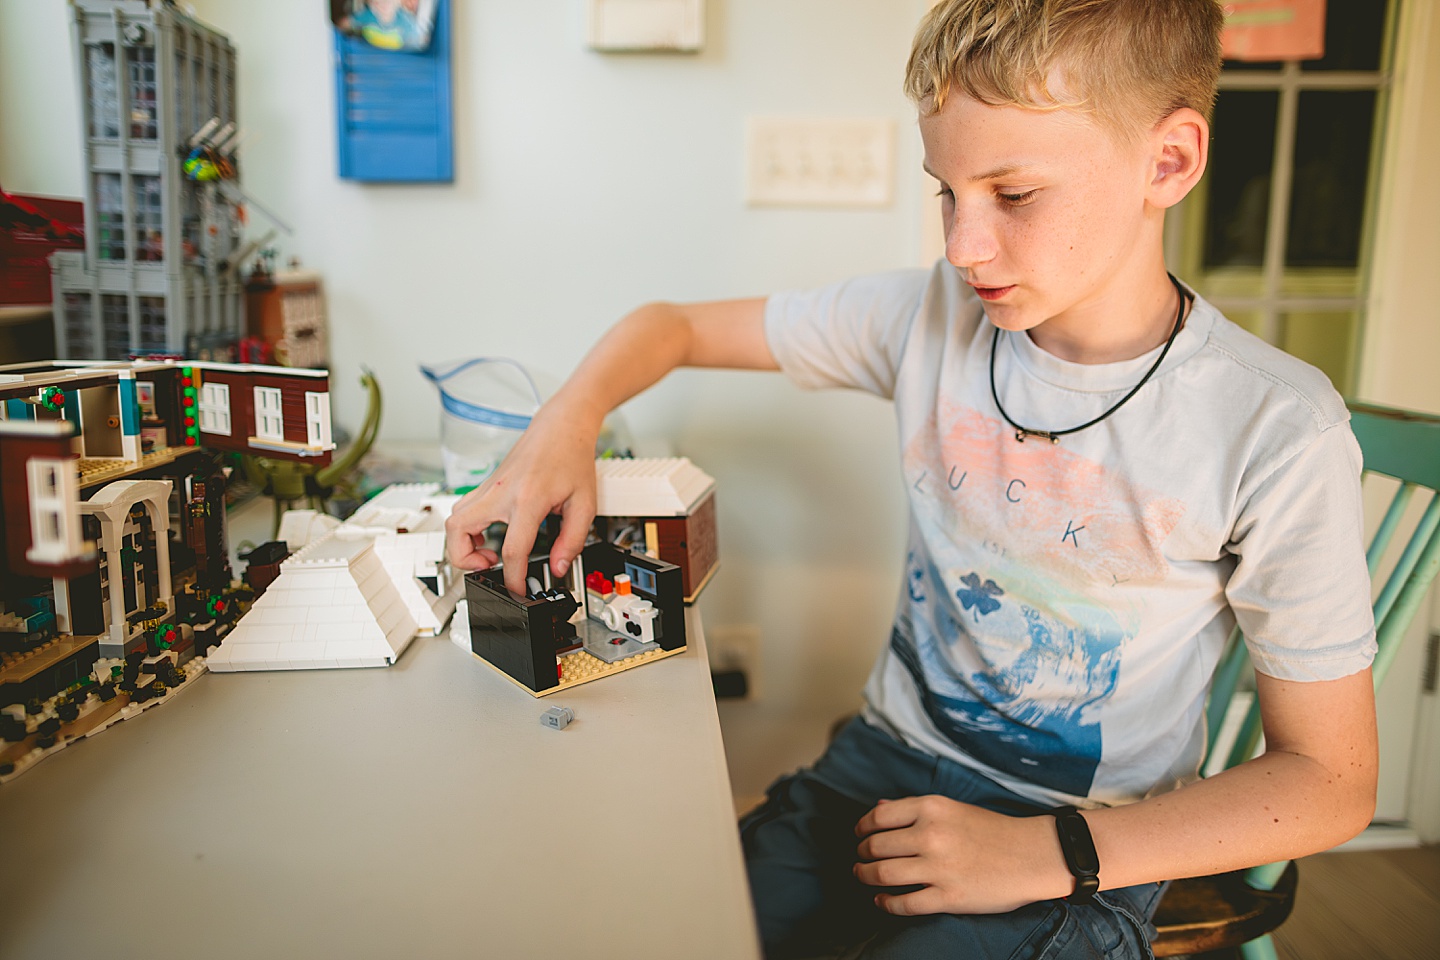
(551,469)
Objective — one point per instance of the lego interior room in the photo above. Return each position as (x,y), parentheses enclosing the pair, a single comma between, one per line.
(282,283)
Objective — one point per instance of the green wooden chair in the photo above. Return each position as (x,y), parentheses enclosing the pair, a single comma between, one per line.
(1239,909)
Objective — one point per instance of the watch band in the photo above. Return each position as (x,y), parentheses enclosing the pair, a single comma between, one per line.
(1079,849)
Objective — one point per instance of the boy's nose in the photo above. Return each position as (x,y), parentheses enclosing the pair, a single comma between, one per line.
(968,241)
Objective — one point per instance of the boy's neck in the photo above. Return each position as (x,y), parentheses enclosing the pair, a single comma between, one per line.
(1127,322)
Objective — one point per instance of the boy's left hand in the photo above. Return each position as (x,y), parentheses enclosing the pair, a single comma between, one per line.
(969,860)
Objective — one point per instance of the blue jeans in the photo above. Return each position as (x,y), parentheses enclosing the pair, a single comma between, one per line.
(800,846)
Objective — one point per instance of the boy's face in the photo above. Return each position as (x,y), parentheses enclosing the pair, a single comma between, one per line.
(1046,212)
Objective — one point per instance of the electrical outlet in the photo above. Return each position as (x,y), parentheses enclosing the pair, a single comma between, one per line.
(736,648)
(846,162)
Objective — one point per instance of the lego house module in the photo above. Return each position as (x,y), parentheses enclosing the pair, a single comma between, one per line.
(115,578)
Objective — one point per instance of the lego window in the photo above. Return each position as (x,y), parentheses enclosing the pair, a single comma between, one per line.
(146,200)
(142,92)
(110,216)
(79,329)
(640,578)
(215,408)
(152,322)
(47,509)
(269,421)
(115,325)
(104,97)
(317,419)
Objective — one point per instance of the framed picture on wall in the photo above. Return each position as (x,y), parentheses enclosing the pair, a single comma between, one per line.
(386,24)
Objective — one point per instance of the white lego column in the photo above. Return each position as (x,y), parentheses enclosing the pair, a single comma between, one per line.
(62,604)
(129,417)
(160,523)
(110,535)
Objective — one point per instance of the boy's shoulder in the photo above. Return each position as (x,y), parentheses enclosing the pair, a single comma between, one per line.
(1257,375)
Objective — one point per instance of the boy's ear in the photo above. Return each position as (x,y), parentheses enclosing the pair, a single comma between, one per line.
(1180,146)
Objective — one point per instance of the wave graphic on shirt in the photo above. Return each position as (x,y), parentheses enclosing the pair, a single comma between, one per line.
(1017,608)
(1032,718)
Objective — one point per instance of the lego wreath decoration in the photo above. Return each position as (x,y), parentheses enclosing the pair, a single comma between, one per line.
(52,398)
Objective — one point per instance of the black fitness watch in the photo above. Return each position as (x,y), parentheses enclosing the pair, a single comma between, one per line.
(1079,849)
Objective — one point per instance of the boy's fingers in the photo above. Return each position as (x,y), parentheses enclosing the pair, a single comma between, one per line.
(888,815)
(928,900)
(576,517)
(899,872)
(889,843)
(515,552)
(465,539)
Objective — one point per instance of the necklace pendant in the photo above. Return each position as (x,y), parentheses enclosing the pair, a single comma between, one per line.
(1021,433)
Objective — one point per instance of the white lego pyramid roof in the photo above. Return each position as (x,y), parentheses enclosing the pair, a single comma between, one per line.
(353,598)
(334,611)
(650,487)
(409,557)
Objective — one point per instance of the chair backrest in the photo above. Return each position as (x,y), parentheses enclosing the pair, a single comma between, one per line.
(1398,444)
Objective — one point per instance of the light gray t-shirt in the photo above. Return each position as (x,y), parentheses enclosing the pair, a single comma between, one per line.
(1064,606)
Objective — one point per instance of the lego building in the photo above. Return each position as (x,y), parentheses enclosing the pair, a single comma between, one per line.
(113,512)
(157,275)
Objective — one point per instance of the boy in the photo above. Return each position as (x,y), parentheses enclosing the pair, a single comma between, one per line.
(1104,476)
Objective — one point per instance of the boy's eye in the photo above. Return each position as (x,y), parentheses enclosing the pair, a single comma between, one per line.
(1017,199)
(944,192)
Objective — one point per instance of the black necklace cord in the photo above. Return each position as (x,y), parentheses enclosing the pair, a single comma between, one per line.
(1054,435)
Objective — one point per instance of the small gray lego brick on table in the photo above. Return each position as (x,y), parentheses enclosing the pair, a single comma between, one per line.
(557,717)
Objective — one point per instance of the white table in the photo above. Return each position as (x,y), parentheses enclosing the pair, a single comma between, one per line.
(416,811)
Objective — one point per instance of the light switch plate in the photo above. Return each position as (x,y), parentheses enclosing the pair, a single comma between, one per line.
(813,162)
(637,25)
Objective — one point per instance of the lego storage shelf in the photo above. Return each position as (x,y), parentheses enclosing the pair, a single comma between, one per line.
(422,810)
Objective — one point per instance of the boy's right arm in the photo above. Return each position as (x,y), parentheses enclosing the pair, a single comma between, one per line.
(551,469)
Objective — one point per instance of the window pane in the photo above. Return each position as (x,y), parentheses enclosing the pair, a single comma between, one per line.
(146,202)
(1332,163)
(1353,32)
(1325,340)
(1239,178)
(142,92)
(104,97)
(115,323)
(110,216)
(79,334)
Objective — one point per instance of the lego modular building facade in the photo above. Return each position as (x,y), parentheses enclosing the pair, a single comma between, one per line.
(112,511)
(157,274)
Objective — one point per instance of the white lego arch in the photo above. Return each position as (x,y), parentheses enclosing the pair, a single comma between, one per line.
(112,506)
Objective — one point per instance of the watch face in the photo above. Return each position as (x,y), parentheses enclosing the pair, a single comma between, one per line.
(1077,845)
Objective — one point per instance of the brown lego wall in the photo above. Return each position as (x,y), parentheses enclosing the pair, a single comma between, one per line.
(242,411)
(689,542)
(15,452)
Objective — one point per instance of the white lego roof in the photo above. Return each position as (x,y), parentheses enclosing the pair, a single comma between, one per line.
(322,614)
(353,598)
(654,487)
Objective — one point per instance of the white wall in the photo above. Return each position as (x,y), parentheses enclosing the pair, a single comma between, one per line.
(585,185)
(39,108)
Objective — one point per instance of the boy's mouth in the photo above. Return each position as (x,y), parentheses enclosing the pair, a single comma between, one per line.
(991,293)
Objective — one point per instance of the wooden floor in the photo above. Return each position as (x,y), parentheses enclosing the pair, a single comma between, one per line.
(1375,905)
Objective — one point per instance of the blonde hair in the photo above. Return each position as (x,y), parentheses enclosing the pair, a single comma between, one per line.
(1130,63)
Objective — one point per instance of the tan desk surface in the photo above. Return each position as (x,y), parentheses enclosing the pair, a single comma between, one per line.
(417,811)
